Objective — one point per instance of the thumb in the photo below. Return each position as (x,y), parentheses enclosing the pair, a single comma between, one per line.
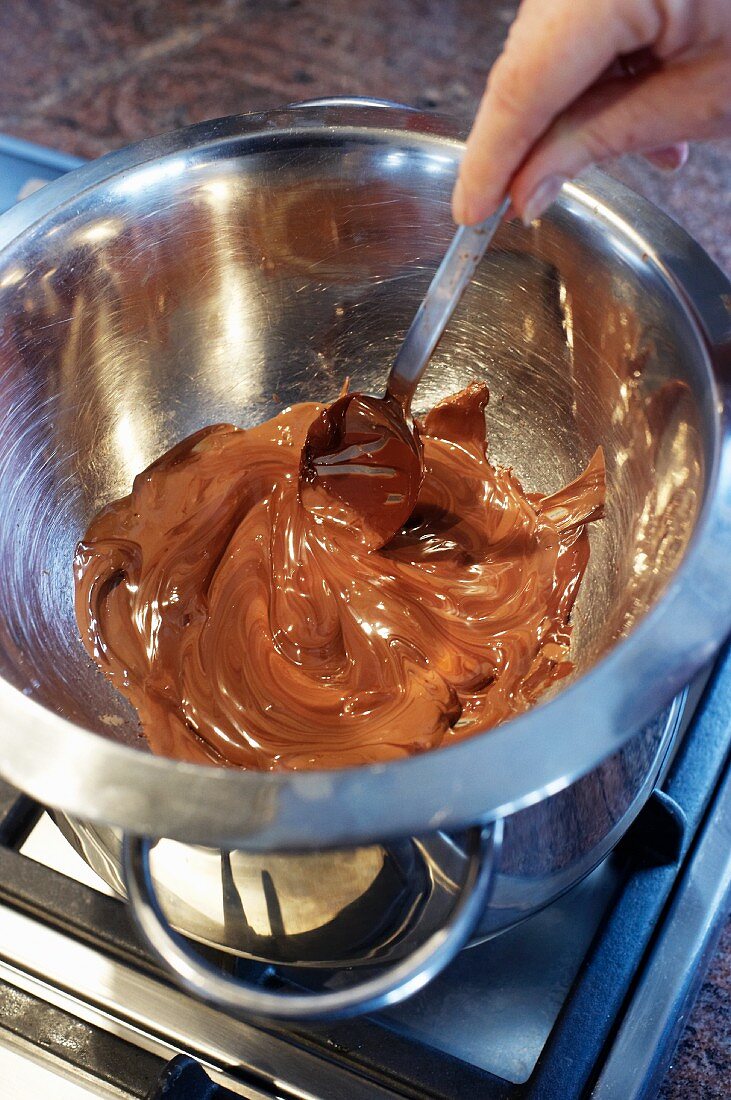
(686,100)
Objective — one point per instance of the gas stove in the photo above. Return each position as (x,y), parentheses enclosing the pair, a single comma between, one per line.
(585,999)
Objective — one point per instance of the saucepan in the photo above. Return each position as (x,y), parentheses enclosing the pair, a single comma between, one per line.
(228,270)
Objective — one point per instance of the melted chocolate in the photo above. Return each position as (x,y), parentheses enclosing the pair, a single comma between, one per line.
(250,631)
(362,462)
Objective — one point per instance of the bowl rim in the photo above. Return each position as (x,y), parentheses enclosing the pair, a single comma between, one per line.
(487,776)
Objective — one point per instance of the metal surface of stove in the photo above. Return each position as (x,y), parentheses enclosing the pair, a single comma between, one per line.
(505,994)
(549,1009)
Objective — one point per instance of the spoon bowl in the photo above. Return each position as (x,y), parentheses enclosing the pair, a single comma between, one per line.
(362,466)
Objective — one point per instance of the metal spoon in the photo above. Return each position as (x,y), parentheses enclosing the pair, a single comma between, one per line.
(361,454)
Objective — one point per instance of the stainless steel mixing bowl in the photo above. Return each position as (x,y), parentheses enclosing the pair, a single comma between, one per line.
(227,270)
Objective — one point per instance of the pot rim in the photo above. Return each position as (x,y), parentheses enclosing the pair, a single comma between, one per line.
(492,774)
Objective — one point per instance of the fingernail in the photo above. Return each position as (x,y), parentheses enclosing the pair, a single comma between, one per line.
(544,194)
(669,158)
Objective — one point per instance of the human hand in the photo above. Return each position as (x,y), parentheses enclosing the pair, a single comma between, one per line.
(563,95)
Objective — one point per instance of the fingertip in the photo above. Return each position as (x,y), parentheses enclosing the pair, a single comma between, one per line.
(459,204)
(541,196)
(469,209)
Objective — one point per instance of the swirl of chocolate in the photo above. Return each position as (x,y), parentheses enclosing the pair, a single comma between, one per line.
(249,631)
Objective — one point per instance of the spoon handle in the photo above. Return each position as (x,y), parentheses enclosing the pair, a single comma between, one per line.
(454,273)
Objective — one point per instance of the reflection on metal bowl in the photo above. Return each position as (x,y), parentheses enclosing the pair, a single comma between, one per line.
(358,906)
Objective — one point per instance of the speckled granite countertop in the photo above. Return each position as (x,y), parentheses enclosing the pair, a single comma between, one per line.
(89,75)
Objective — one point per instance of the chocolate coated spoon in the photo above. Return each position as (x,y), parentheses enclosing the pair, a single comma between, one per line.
(361,462)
